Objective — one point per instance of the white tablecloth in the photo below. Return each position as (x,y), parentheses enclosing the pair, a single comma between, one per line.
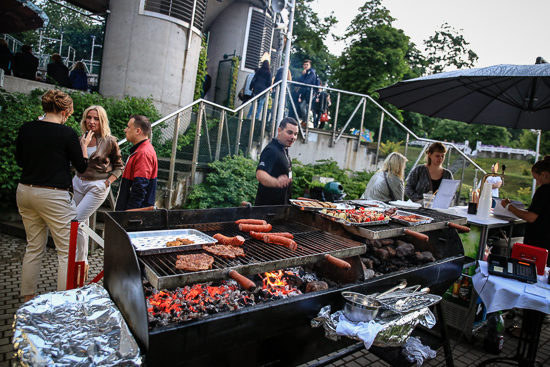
(499,293)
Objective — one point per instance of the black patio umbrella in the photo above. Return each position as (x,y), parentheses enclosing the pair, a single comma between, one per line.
(513,96)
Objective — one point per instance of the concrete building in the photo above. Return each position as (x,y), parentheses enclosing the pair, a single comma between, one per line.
(152,47)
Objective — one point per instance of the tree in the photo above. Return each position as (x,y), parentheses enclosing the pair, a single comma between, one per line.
(309,34)
(448,48)
(528,140)
(77,29)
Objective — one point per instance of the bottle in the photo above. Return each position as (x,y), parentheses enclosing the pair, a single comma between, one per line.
(485,202)
(456,288)
(494,334)
(464,288)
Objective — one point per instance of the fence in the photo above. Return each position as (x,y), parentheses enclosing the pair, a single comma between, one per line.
(203,132)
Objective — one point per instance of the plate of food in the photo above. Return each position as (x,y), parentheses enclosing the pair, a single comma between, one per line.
(410,219)
(370,203)
(155,242)
(362,217)
(319,205)
(405,204)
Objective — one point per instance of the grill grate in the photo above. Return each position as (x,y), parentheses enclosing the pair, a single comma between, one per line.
(260,257)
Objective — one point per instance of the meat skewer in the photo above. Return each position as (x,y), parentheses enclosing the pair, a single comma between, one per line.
(233,241)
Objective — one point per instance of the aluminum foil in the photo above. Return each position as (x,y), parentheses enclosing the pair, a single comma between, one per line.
(396,328)
(78,327)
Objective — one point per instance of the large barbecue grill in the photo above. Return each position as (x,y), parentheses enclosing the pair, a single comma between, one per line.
(276,333)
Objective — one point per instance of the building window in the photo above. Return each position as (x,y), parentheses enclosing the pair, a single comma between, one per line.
(181,10)
(260,32)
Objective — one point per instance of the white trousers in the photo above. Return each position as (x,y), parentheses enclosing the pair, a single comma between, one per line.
(88,195)
(42,209)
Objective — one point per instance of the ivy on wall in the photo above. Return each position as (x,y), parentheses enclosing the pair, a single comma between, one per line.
(201,70)
(235,63)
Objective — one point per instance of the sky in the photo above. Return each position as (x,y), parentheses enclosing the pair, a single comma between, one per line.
(499,31)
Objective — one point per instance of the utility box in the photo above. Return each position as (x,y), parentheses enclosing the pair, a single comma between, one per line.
(322,179)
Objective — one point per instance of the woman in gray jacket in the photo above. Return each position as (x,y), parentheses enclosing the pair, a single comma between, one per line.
(387,184)
(105,165)
(426,178)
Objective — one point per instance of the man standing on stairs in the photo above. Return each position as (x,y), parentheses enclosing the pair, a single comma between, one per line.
(138,186)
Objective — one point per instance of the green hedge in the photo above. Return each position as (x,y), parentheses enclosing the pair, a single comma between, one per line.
(18,108)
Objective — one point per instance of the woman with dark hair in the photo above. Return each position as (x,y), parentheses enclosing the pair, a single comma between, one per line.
(105,165)
(45,150)
(78,76)
(260,82)
(426,178)
(537,215)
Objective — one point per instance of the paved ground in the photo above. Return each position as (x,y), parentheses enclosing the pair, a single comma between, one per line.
(12,250)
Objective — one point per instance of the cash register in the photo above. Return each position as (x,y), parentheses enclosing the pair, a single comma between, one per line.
(512,268)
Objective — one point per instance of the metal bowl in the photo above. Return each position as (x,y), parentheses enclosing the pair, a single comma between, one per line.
(360,308)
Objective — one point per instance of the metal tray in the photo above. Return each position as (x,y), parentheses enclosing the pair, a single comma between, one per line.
(370,204)
(423,219)
(154,242)
(337,206)
(353,224)
(413,302)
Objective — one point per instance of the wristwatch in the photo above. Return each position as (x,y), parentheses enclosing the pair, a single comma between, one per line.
(508,206)
(109,183)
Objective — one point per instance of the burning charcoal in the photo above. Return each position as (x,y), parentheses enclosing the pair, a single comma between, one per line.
(428,256)
(391,251)
(368,263)
(316,286)
(375,261)
(387,241)
(405,249)
(381,254)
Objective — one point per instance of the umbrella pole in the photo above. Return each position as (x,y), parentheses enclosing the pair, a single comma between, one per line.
(536,159)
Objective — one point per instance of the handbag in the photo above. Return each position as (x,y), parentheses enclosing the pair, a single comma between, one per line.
(241,94)
(324,117)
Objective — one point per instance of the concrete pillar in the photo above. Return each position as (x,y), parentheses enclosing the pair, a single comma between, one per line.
(145,56)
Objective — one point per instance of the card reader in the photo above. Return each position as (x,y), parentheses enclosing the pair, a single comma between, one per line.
(512,268)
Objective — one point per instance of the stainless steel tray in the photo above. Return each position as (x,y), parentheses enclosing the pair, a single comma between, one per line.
(335,206)
(353,224)
(412,302)
(154,242)
(422,219)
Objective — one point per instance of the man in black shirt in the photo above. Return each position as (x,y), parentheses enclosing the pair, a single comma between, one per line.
(274,171)
(25,64)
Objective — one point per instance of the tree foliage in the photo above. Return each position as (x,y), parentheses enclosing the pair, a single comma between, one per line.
(308,36)
(528,140)
(448,48)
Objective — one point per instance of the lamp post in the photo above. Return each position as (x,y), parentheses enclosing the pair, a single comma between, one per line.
(282,95)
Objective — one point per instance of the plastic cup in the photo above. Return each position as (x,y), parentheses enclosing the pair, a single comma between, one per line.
(427,201)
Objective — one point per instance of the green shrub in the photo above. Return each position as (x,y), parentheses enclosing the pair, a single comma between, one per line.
(389,147)
(18,108)
(228,182)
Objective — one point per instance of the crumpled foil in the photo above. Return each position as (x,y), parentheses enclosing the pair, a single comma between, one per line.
(78,327)
(396,328)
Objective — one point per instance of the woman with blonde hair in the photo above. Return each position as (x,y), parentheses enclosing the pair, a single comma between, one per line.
(426,178)
(45,150)
(105,165)
(387,184)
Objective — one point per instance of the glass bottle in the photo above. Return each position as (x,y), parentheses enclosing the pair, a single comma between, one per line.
(494,333)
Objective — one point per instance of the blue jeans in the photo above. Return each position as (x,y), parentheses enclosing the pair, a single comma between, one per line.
(261,102)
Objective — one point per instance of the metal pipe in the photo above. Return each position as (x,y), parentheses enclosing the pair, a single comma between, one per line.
(195,160)
(170,191)
(379,138)
(536,159)
(282,97)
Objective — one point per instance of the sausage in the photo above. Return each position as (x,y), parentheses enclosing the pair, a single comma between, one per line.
(260,235)
(251,221)
(255,227)
(233,241)
(279,240)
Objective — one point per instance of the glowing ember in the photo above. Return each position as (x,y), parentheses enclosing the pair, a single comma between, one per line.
(275,283)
